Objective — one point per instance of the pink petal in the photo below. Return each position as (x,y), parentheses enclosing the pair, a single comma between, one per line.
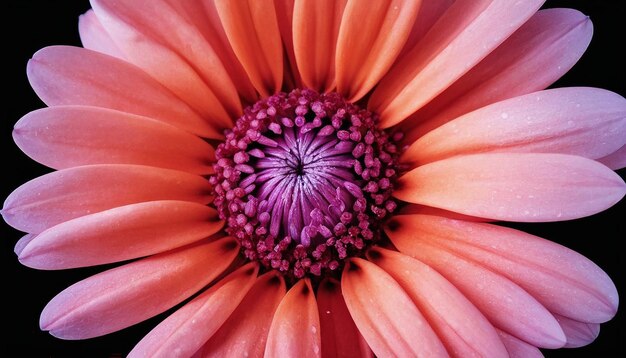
(340,337)
(186,330)
(589,122)
(562,280)
(427,210)
(252,318)
(125,295)
(95,37)
(504,303)
(578,334)
(315,32)
(295,329)
(463,36)
(463,330)
(252,29)
(536,55)
(64,75)
(70,193)
(68,136)
(21,243)
(121,233)
(180,58)
(525,187)
(383,28)
(615,160)
(429,13)
(373,299)
(518,348)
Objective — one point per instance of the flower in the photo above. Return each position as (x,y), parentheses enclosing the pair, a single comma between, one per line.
(306,228)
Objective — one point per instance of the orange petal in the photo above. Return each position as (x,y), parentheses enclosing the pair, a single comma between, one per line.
(245,332)
(459,324)
(187,329)
(526,187)
(94,36)
(126,295)
(70,193)
(179,57)
(295,329)
(382,27)
(68,136)
(340,337)
(315,31)
(536,55)
(429,13)
(373,299)
(252,29)
(64,75)
(463,36)
(284,16)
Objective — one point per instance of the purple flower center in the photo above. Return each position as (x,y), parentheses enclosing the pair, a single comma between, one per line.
(304,180)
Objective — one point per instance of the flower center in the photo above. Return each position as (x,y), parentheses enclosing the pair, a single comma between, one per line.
(304,180)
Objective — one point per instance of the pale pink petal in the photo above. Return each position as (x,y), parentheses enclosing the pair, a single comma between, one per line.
(539,53)
(615,160)
(518,348)
(340,337)
(68,136)
(186,330)
(578,333)
(122,233)
(284,16)
(429,13)
(383,28)
(504,303)
(589,122)
(179,56)
(315,32)
(385,314)
(295,329)
(203,15)
(463,36)
(70,193)
(252,29)
(251,319)
(562,280)
(21,243)
(95,37)
(527,187)
(125,295)
(463,330)
(65,75)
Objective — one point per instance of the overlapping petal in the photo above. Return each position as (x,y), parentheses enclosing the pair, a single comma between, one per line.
(94,36)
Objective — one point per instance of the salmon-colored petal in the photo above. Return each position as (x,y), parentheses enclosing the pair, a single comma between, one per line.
(429,13)
(578,333)
(68,136)
(463,330)
(65,75)
(562,280)
(186,330)
(536,55)
(94,36)
(340,337)
(518,348)
(70,193)
(615,160)
(374,300)
(203,15)
(125,295)
(252,29)
(428,210)
(382,27)
(589,122)
(284,16)
(295,329)
(463,36)
(119,234)
(504,303)
(315,30)
(245,332)
(179,58)
(527,187)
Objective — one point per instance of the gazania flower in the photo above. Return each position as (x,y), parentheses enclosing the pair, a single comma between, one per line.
(320,177)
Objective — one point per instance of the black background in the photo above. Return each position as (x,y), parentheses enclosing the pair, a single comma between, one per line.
(29,25)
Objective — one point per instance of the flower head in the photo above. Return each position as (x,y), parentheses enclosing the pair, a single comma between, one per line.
(320,178)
